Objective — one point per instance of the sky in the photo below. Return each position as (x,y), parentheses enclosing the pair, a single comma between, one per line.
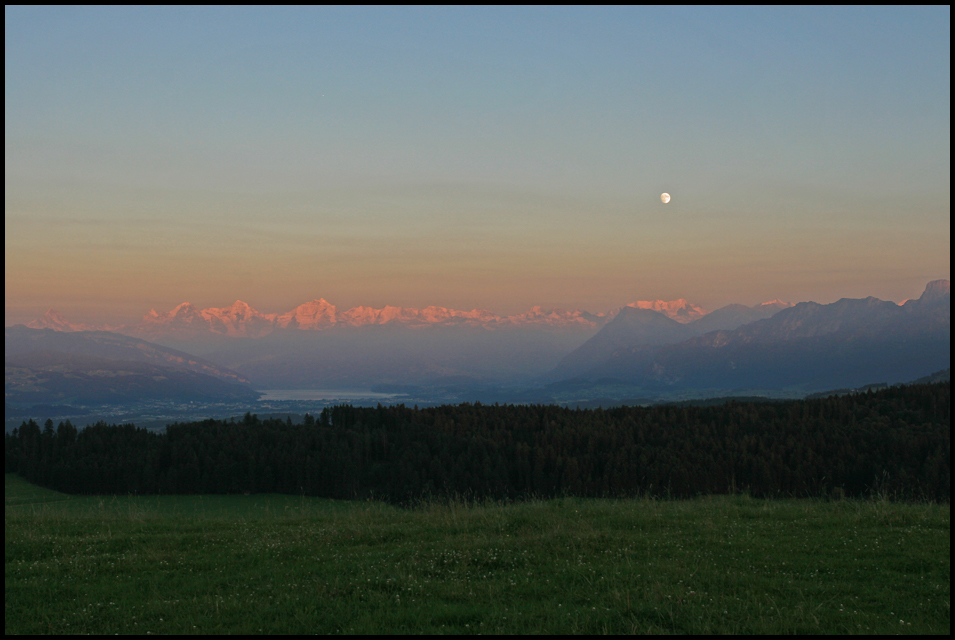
(493,158)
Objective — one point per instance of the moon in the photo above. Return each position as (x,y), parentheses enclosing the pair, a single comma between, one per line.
(665,198)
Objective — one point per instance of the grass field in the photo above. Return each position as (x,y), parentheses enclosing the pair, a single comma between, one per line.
(282,564)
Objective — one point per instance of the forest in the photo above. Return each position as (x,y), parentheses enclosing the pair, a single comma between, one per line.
(892,442)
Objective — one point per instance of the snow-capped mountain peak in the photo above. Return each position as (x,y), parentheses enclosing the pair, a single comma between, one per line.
(679,310)
(777,303)
(239,319)
(52,319)
(184,310)
(310,315)
(554,317)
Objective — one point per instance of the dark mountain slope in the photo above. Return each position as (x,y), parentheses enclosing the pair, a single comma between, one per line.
(632,327)
(732,316)
(643,331)
(810,346)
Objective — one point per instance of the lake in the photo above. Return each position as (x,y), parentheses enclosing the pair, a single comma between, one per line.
(323,394)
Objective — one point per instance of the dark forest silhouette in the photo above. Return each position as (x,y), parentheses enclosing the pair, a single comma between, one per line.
(894,441)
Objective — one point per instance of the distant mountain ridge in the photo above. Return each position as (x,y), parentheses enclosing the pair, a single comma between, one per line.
(52,378)
(54,320)
(94,367)
(19,340)
(240,320)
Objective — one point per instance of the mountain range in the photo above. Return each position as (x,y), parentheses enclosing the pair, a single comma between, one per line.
(316,344)
(655,348)
(242,321)
(809,346)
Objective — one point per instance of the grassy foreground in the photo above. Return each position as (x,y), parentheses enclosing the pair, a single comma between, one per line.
(282,564)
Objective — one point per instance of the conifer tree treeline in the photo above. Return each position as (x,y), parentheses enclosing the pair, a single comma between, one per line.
(895,440)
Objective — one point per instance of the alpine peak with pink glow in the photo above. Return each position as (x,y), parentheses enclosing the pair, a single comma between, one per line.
(779,304)
(679,310)
(237,320)
(53,320)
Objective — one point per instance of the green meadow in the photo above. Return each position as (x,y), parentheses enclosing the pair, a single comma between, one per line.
(284,564)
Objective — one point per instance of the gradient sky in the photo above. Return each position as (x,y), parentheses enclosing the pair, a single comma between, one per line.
(472,158)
